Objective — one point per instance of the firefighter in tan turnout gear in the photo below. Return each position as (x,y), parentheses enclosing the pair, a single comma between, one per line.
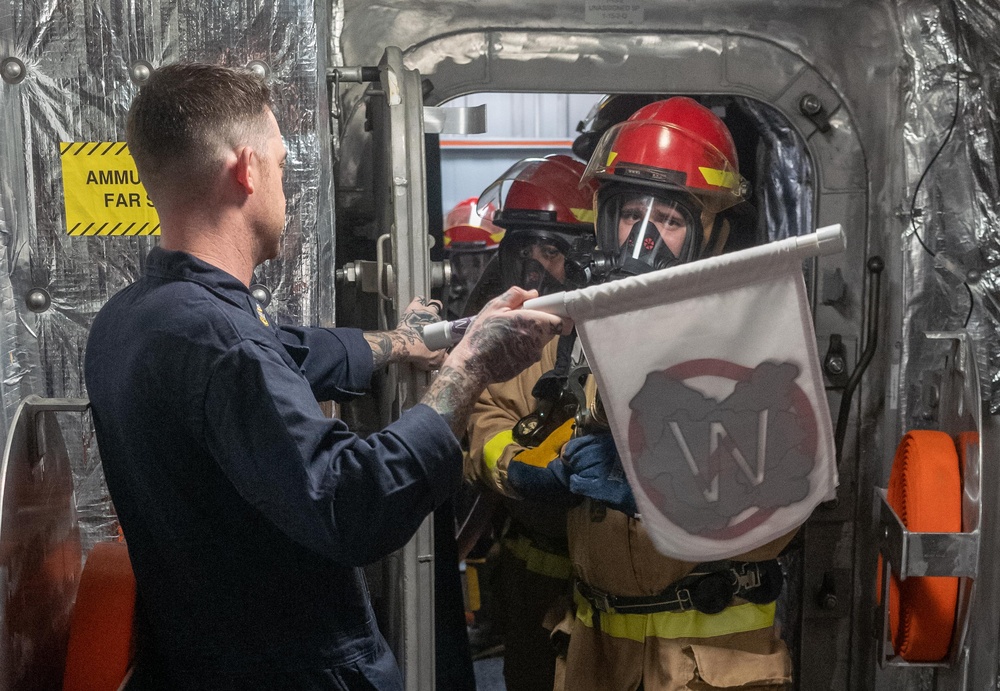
(547,217)
(641,620)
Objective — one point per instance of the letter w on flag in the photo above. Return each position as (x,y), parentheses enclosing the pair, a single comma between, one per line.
(711,381)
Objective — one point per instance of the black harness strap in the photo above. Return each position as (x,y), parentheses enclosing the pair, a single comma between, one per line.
(555,402)
(709,589)
(551,384)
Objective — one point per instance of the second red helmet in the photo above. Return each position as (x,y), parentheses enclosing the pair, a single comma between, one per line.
(548,217)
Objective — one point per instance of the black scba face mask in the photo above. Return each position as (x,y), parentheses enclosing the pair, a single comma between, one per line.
(650,229)
(540,260)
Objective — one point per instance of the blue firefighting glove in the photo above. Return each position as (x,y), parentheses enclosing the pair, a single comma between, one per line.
(540,474)
(596,472)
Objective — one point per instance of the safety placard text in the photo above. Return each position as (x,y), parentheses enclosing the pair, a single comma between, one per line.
(103,193)
(613,12)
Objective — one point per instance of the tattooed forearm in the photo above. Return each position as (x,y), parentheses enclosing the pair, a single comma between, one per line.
(452,394)
(381,344)
(517,340)
(406,342)
(500,343)
(392,346)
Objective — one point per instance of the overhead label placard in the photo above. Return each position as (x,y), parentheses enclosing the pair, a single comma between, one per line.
(613,12)
(102,191)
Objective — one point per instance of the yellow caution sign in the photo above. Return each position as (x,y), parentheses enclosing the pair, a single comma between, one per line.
(103,193)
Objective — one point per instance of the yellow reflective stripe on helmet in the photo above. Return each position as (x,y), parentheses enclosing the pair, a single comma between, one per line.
(537,560)
(612,155)
(721,178)
(493,449)
(583,215)
(689,624)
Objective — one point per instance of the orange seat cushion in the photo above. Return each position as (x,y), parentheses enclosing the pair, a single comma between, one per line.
(100,638)
(925,490)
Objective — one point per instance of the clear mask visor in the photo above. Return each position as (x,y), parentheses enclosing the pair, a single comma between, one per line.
(536,261)
(495,195)
(648,229)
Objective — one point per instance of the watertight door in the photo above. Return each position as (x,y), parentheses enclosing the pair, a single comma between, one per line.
(398,122)
(395,109)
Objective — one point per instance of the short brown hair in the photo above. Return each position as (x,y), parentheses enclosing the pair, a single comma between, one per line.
(185,114)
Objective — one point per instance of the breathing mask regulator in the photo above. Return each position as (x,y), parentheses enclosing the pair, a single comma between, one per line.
(642,230)
(637,232)
(539,253)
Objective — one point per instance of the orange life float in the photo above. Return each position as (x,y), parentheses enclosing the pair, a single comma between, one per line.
(925,490)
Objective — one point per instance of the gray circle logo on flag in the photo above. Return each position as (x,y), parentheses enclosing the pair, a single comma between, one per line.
(719,468)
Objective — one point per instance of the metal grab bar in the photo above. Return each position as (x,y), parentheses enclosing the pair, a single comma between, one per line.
(875,266)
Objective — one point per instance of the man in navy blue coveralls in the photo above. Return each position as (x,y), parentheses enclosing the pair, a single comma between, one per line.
(247,511)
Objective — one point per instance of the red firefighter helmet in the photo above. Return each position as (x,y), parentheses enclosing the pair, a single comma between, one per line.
(665,174)
(467,228)
(676,144)
(542,190)
(548,217)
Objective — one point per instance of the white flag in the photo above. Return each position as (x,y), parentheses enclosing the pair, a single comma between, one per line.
(710,378)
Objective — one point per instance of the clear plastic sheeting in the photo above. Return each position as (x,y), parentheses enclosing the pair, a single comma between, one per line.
(980,42)
(952,239)
(784,208)
(75,86)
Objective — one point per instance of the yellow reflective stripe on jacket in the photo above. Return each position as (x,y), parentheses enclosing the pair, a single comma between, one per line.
(689,624)
(537,560)
(493,449)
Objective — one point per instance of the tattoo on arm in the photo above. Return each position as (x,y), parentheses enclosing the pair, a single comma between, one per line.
(405,339)
(516,342)
(495,350)
(452,394)
(381,344)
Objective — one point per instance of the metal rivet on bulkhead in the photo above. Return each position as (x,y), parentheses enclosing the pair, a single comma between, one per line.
(12,70)
(810,104)
(260,68)
(261,294)
(835,365)
(37,300)
(140,71)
